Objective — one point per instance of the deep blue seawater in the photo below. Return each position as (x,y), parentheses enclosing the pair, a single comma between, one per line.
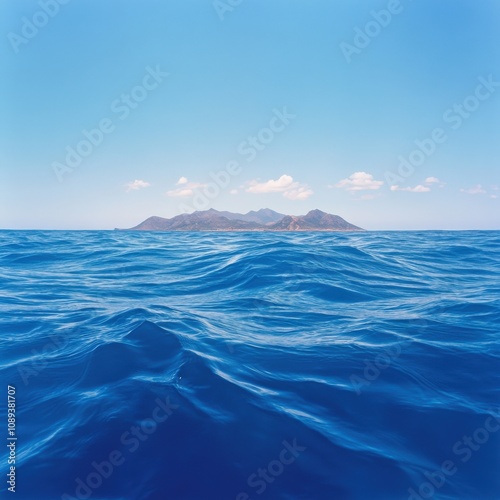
(156,366)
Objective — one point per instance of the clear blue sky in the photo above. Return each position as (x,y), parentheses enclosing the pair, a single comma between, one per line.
(357,102)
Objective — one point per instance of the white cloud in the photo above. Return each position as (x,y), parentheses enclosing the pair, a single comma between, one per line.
(359,181)
(285,184)
(233,191)
(271,186)
(417,189)
(477,189)
(432,180)
(180,192)
(137,184)
(301,193)
(186,188)
(420,188)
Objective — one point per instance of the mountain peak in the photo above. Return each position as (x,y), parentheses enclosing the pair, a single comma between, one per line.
(264,219)
(316,211)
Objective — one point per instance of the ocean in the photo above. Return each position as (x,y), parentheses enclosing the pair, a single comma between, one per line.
(238,366)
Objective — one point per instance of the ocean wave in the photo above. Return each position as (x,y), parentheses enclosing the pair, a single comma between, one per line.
(241,365)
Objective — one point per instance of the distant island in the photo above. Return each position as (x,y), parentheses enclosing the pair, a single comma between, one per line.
(264,219)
